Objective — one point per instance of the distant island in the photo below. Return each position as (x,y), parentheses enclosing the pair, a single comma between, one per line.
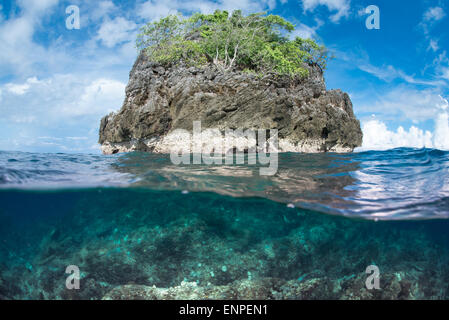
(229,71)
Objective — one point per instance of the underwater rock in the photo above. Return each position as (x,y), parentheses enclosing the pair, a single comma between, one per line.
(245,289)
(161,100)
(350,288)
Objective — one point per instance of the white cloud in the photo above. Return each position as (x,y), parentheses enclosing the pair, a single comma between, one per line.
(444,105)
(306,32)
(103,9)
(445,73)
(101,96)
(118,30)
(441,64)
(65,86)
(441,139)
(23,119)
(17,45)
(60,98)
(64,105)
(155,9)
(433,45)
(386,73)
(431,17)
(405,103)
(20,54)
(376,136)
(341,6)
(434,14)
(389,73)
(77,138)
(20,89)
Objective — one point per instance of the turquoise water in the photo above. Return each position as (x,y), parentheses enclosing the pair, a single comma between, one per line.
(138,219)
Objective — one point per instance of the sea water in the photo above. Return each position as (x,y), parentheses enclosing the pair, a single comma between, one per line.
(309,232)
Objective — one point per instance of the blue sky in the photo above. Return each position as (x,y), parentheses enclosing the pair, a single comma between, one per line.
(56,84)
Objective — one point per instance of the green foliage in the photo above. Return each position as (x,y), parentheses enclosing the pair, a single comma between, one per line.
(256,42)
(165,41)
(313,52)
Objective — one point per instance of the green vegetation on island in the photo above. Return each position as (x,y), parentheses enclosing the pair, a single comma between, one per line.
(258,43)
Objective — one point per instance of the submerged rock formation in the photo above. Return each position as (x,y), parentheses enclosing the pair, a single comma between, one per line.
(347,288)
(161,100)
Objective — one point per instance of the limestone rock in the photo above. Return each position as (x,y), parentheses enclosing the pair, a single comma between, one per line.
(159,100)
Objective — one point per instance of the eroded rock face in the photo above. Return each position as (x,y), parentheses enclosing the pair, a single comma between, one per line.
(159,101)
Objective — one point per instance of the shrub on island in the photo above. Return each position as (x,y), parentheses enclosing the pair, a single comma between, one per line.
(258,43)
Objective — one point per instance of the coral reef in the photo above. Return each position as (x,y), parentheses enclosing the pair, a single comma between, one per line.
(141,244)
(350,288)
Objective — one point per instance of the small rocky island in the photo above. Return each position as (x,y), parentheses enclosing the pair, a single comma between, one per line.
(167,91)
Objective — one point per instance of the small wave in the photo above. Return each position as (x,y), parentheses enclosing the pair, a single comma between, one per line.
(37,171)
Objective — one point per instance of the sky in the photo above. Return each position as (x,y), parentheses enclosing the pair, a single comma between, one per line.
(56,82)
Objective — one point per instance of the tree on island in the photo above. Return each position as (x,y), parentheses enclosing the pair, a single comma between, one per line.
(257,43)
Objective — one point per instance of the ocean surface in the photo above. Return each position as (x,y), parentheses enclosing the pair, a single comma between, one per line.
(308,232)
